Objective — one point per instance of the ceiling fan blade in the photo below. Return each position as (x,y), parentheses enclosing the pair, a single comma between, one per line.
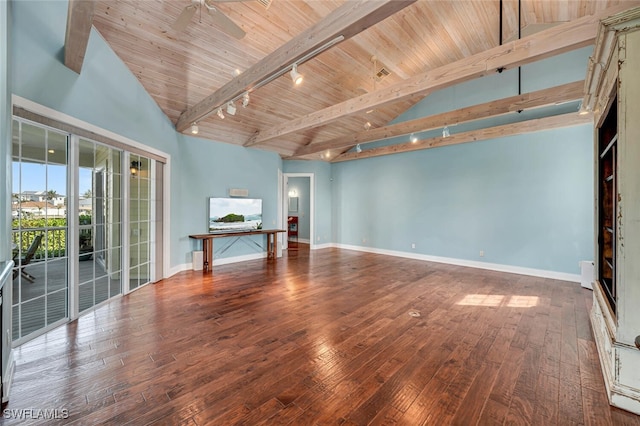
(185,17)
(224,23)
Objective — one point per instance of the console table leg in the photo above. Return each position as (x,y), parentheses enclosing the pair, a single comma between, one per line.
(272,242)
(207,248)
(275,246)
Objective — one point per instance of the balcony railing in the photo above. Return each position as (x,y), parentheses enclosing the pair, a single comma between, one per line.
(54,242)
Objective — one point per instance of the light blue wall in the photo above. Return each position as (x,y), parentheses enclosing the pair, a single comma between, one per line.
(302,187)
(556,70)
(323,183)
(210,170)
(108,95)
(525,200)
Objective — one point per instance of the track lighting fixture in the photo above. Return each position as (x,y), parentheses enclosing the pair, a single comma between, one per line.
(194,128)
(231,108)
(367,125)
(413,138)
(445,132)
(244,96)
(358,149)
(295,75)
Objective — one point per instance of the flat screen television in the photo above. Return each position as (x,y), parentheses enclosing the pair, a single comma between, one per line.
(234,214)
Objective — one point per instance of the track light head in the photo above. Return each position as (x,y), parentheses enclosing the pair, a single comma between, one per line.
(295,75)
(220,113)
(231,108)
(367,125)
(445,132)
(358,149)
(245,99)
(413,138)
(194,128)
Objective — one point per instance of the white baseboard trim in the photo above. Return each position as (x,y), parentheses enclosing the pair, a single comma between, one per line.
(179,268)
(236,259)
(542,273)
(301,240)
(562,276)
(224,261)
(7,377)
(323,246)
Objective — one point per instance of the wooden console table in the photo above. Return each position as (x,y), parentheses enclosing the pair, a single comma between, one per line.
(207,243)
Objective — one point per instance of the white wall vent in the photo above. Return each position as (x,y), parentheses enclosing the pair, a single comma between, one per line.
(236,192)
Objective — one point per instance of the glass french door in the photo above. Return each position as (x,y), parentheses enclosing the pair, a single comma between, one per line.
(39,228)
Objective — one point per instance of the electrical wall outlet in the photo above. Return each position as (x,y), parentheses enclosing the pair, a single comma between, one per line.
(413,245)
(481,253)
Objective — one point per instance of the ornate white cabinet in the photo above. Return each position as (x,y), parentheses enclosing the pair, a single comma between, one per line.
(613,94)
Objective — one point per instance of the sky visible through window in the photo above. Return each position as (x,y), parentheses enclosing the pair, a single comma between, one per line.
(45,177)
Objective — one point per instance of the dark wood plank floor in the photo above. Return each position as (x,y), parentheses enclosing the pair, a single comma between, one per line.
(325,337)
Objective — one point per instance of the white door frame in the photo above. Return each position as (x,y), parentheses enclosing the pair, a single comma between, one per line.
(284,207)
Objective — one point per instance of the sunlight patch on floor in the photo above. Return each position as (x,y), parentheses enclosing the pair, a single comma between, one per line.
(496,300)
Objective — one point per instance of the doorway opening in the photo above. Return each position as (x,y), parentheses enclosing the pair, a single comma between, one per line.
(298,209)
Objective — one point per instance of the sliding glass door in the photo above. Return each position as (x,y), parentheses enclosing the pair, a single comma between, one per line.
(141,226)
(99,223)
(39,228)
(87,216)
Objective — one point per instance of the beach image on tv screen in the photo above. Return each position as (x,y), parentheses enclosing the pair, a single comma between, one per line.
(234,214)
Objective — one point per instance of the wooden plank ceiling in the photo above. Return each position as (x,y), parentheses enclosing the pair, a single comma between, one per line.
(179,69)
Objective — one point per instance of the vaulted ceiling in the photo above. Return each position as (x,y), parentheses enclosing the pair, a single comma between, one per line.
(365,78)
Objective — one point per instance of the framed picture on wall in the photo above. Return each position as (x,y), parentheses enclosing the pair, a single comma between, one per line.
(293,204)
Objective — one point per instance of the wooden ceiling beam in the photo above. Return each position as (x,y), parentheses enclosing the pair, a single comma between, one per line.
(553,41)
(512,129)
(348,20)
(526,101)
(79,22)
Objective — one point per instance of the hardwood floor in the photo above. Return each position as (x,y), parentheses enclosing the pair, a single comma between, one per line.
(51,278)
(324,337)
